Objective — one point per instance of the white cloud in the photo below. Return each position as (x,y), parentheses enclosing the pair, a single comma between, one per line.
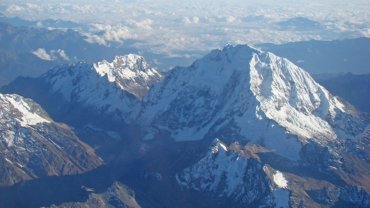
(92,38)
(170,27)
(196,19)
(14,9)
(230,19)
(145,24)
(186,20)
(104,33)
(32,6)
(191,20)
(118,34)
(39,24)
(42,54)
(62,54)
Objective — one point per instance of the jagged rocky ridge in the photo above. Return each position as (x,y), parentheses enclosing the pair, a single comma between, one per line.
(243,174)
(91,91)
(232,172)
(33,145)
(131,73)
(109,87)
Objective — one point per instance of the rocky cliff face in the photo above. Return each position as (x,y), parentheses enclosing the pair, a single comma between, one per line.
(117,195)
(33,145)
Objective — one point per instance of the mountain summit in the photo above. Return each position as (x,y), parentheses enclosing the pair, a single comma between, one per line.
(130,72)
(244,93)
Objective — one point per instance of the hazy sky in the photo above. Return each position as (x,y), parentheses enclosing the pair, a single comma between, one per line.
(167,26)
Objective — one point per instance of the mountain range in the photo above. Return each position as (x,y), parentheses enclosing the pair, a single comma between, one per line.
(354,88)
(283,140)
(26,50)
(326,57)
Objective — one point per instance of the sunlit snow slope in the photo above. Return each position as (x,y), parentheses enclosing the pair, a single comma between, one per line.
(243,93)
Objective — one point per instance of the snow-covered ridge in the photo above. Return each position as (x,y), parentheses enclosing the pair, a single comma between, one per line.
(220,170)
(228,172)
(115,87)
(289,96)
(130,72)
(189,98)
(122,66)
(255,94)
(80,84)
(21,111)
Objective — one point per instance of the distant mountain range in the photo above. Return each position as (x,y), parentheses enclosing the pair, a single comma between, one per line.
(327,57)
(27,49)
(31,51)
(354,88)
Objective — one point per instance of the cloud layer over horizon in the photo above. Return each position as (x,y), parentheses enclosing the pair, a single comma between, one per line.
(171,27)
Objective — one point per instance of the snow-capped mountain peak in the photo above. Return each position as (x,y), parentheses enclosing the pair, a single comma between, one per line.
(247,93)
(131,61)
(289,96)
(111,88)
(130,72)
